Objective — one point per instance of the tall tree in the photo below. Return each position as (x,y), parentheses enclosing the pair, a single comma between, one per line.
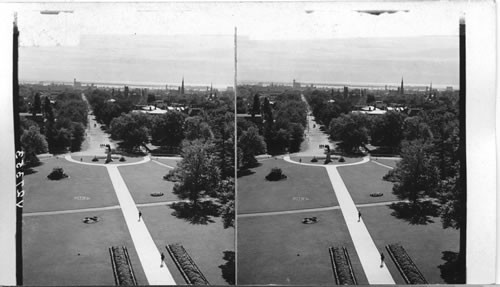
(415,175)
(351,130)
(225,196)
(131,128)
(251,144)
(167,129)
(256,105)
(33,143)
(197,172)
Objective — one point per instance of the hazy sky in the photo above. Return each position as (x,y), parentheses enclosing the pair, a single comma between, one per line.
(420,60)
(129,58)
(311,42)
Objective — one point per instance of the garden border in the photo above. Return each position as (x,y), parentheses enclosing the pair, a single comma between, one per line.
(410,261)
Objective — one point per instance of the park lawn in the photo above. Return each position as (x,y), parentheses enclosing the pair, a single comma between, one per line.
(204,243)
(321,159)
(144,179)
(363,179)
(424,243)
(86,187)
(168,161)
(102,159)
(51,244)
(280,249)
(389,162)
(305,187)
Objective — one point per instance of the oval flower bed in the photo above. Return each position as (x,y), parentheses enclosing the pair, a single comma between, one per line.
(405,264)
(186,265)
(342,268)
(122,268)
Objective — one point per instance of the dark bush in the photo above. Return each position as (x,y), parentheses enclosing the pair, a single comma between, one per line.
(327,161)
(123,271)
(185,263)
(342,266)
(275,174)
(56,174)
(122,159)
(171,176)
(95,158)
(314,159)
(341,159)
(405,264)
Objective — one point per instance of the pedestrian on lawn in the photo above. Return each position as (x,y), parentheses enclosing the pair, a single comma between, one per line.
(382,257)
(140,215)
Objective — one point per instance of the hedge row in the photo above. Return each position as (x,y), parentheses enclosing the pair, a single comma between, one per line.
(122,267)
(342,268)
(405,264)
(186,265)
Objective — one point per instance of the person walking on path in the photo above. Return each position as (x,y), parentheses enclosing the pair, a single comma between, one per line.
(382,257)
(140,215)
(359,215)
(162,258)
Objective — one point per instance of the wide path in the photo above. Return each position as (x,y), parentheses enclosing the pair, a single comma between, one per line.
(143,242)
(367,251)
(144,245)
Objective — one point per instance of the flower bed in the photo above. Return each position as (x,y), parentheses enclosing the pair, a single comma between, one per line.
(342,268)
(157,194)
(405,264)
(376,194)
(122,268)
(186,265)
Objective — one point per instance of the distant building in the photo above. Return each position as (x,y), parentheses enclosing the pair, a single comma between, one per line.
(402,89)
(296,85)
(182,87)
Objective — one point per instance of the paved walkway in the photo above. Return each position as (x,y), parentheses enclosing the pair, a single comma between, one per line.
(381,164)
(143,242)
(93,209)
(318,209)
(144,245)
(366,249)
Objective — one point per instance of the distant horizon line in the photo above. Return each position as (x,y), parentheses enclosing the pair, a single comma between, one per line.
(350,84)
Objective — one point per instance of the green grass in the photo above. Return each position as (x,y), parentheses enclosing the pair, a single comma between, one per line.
(361,180)
(424,243)
(51,244)
(91,182)
(280,249)
(204,243)
(147,178)
(321,160)
(305,187)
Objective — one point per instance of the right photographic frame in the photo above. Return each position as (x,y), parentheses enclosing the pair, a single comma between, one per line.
(352,153)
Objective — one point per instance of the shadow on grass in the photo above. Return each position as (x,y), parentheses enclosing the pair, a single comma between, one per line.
(452,271)
(196,213)
(228,268)
(246,170)
(420,213)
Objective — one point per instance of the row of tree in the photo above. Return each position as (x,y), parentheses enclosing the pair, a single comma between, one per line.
(282,128)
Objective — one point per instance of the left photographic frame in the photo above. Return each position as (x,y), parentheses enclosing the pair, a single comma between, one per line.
(125,117)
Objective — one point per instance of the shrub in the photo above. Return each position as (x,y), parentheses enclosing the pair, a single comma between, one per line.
(124,275)
(405,264)
(314,159)
(171,176)
(56,174)
(95,158)
(376,194)
(122,159)
(157,194)
(186,265)
(342,266)
(327,161)
(275,174)
(341,159)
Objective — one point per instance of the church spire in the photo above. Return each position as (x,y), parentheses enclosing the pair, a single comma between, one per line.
(182,86)
(402,90)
